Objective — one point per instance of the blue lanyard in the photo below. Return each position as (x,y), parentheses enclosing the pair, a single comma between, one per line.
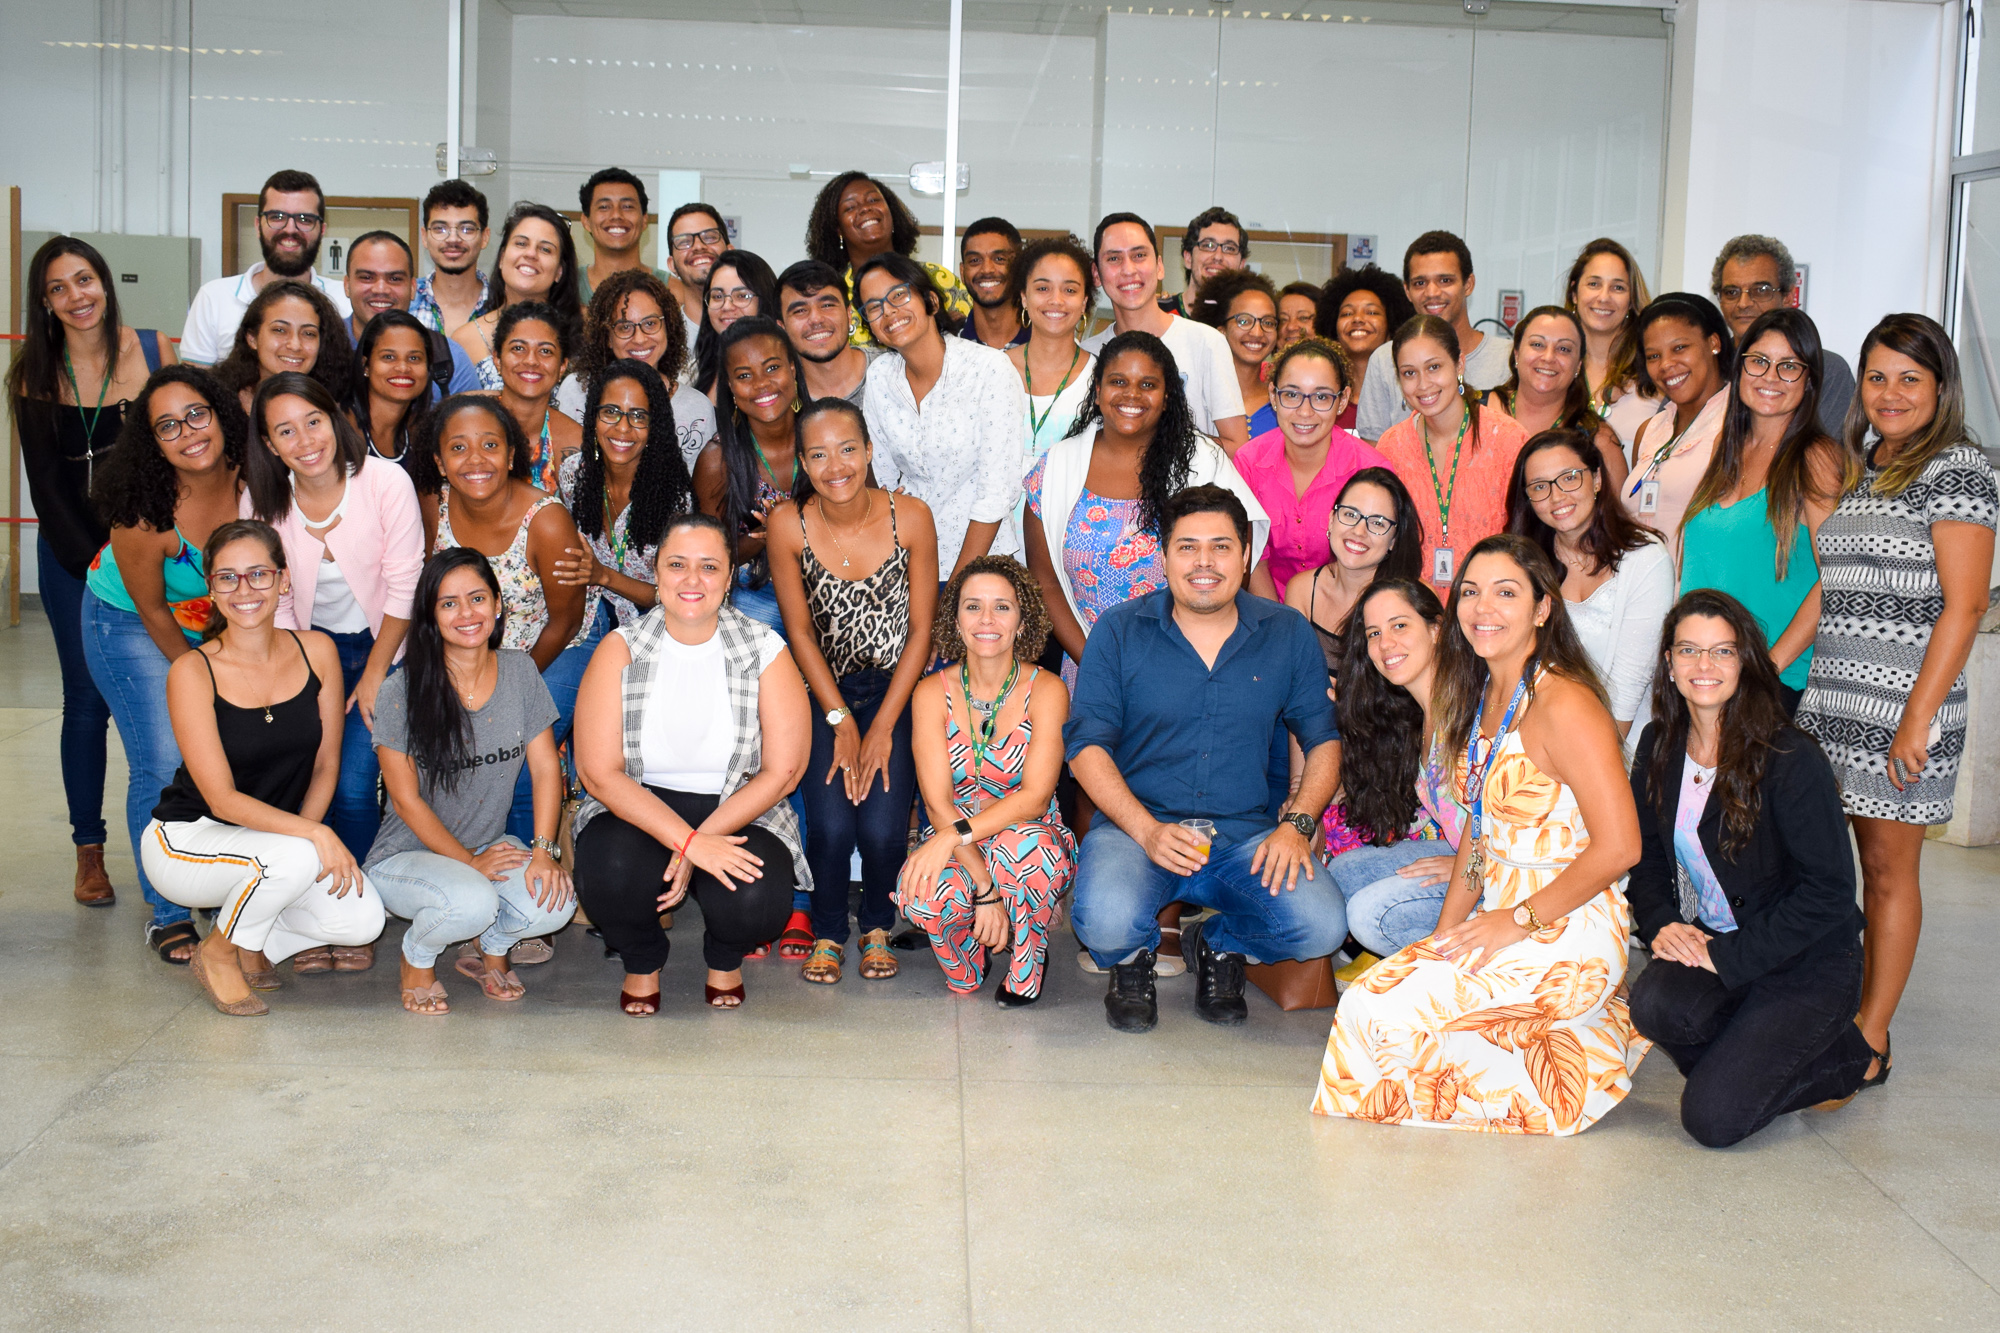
(1475,782)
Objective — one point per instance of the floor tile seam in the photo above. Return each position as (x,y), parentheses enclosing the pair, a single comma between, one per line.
(62,1111)
(964,1167)
(1900,1207)
(621,1070)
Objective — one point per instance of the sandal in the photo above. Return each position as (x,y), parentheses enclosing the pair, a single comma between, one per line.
(1881,1077)
(267,979)
(530,952)
(502,985)
(797,939)
(723,997)
(311,962)
(353,957)
(639,1006)
(432,995)
(761,951)
(878,961)
(163,940)
(247,1007)
(822,968)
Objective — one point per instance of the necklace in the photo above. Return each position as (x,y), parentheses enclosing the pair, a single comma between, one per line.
(1035,423)
(867,509)
(89,422)
(477,672)
(988,713)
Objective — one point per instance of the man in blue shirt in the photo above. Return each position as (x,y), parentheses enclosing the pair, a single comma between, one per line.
(1177,703)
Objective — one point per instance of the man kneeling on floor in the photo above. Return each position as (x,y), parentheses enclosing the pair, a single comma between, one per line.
(1177,703)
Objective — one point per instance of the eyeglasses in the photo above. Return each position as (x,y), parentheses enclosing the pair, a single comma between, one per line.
(1570,480)
(687,239)
(721,299)
(1756,291)
(610,414)
(1759,365)
(630,328)
(225,580)
(1321,399)
(168,429)
(277,218)
(1247,322)
(897,296)
(1722,654)
(1351,517)
(1215,247)
(446,230)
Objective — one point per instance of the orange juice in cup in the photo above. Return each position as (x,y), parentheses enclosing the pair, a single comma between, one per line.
(1204,832)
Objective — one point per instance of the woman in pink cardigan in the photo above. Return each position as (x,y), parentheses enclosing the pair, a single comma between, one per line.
(355,544)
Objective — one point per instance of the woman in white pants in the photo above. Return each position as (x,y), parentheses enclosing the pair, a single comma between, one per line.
(239,829)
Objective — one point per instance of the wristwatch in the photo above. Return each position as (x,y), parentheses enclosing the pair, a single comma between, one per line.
(1304,823)
(547,845)
(1525,918)
(836,716)
(963,827)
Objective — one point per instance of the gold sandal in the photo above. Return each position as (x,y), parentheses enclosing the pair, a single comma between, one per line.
(823,964)
(878,960)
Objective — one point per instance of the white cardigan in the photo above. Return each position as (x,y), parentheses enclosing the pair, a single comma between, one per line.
(1069,464)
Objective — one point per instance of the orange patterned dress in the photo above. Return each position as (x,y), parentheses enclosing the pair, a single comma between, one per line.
(1536,1042)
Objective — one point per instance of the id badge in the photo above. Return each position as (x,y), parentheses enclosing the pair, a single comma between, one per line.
(1441,565)
(1649,497)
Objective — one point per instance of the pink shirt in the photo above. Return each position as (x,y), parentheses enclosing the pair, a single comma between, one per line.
(379,544)
(1298,522)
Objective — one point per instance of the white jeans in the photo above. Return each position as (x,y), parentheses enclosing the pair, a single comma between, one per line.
(262,885)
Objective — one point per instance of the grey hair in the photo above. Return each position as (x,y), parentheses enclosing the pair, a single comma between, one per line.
(1752,246)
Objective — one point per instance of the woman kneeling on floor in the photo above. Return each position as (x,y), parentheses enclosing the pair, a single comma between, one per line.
(692,726)
(1744,889)
(453,730)
(988,741)
(239,827)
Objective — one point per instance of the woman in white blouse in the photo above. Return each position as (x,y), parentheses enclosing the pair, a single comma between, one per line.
(1618,580)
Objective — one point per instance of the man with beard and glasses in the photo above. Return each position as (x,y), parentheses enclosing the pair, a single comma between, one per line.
(291,220)
(614,215)
(1214,243)
(455,219)
(985,258)
(696,238)
(812,305)
(379,279)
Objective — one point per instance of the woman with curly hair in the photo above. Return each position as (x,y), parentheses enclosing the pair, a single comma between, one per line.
(856,218)
(536,262)
(1243,304)
(1360,308)
(1051,283)
(172,479)
(633,317)
(289,326)
(988,741)
(532,346)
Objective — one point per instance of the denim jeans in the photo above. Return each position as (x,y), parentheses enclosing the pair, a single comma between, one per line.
(1119,894)
(879,827)
(1782,1043)
(1387,911)
(564,677)
(86,718)
(355,813)
(131,674)
(760,604)
(446,901)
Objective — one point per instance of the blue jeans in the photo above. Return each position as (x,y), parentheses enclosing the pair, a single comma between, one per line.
(1119,894)
(131,674)
(564,677)
(446,901)
(1387,911)
(879,826)
(760,604)
(86,718)
(355,813)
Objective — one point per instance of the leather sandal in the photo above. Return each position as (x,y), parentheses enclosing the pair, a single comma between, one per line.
(721,997)
(163,940)
(878,960)
(93,886)
(823,966)
(503,985)
(638,1006)
(266,979)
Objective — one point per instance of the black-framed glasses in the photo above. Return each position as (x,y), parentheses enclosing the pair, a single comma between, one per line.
(1247,321)
(1759,365)
(168,429)
(1722,654)
(1756,291)
(1571,479)
(610,414)
(897,296)
(1350,517)
(446,230)
(1211,246)
(1322,400)
(224,581)
(277,218)
(687,239)
(630,328)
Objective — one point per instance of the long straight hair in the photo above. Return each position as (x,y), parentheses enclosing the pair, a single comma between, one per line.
(266,476)
(410,423)
(742,461)
(1612,531)
(1405,561)
(564,294)
(758,277)
(1924,341)
(440,728)
(1383,739)
(1441,332)
(1462,673)
(1626,354)
(38,371)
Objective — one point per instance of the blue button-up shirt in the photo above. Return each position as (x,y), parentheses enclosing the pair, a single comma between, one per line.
(1192,742)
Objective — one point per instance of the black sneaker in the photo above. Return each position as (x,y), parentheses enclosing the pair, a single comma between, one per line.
(1218,978)
(1132,1004)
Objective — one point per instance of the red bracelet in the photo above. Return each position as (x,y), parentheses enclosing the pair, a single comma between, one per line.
(688,843)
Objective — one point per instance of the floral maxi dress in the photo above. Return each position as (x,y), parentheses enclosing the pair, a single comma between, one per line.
(1536,1042)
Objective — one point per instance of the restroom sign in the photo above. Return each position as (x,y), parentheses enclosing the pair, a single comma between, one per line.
(1511,305)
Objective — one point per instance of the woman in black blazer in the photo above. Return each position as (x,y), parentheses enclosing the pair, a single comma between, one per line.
(1745,888)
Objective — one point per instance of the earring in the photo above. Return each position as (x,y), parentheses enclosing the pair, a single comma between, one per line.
(1461,386)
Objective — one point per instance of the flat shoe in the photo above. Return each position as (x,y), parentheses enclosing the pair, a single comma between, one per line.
(497,985)
(265,980)
(530,952)
(247,1007)
(416,995)
(353,957)
(311,962)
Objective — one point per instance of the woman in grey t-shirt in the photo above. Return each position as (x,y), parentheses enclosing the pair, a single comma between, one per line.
(453,730)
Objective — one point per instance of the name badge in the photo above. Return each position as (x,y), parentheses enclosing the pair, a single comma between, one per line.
(1441,565)
(1649,497)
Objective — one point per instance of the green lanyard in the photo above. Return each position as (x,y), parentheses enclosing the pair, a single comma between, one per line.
(620,542)
(981,729)
(1443,495)
(1035,423)
(103,391)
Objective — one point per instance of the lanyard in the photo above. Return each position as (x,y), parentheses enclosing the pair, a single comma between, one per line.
(619,542)
(1660,456)
(1444,496)
(1035,423)
(1475,781)
(90,422)
(981,729)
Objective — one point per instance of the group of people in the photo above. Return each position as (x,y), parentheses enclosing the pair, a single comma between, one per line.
(1253,625)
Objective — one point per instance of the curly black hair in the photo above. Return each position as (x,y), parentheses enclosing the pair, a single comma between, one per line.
(661,487)
(1220,292)
(946,643)
(1070,247)
(333,367)
(607,307)
(823,239)
(1381,725)
(1164,470)
(1386,287)
(428,476)
(137,484)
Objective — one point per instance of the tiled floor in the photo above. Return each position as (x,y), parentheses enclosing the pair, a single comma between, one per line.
(883,1156)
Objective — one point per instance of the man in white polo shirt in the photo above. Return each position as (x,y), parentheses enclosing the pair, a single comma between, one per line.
(1129,270)
(291,220)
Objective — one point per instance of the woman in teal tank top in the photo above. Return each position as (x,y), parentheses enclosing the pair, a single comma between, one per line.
(170,481)
(1772,481)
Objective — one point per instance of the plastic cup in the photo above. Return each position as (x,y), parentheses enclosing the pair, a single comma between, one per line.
(1203,830)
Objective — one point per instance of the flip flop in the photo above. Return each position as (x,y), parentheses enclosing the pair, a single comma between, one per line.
(415,995)
(497,985)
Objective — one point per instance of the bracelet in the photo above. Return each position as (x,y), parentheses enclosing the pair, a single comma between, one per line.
(986,902)
(546,845)
(686,843)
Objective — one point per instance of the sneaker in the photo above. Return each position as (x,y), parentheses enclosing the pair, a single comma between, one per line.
(1087,963)
(1132,1003)
(1218,979)
(1168,961)
(1349,973)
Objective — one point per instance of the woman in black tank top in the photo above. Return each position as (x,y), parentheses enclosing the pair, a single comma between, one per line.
(239,827)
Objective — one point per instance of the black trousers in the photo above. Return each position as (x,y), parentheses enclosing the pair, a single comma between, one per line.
(618,881)
(1782,1043)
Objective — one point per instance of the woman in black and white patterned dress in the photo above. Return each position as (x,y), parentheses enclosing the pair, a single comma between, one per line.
(1904,564)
